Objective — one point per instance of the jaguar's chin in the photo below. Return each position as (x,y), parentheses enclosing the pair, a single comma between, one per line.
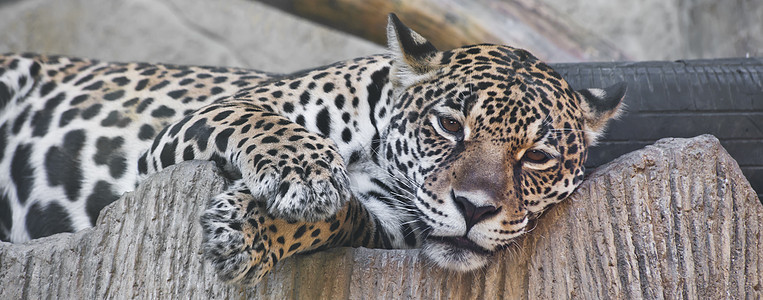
(456,253)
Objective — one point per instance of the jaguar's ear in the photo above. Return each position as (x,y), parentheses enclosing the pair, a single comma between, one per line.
(600,106)
(414,55)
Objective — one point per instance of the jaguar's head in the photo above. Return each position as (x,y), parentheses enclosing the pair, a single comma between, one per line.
(488,137)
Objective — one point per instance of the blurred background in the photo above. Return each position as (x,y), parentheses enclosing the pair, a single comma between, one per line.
(286,35)
(676,96)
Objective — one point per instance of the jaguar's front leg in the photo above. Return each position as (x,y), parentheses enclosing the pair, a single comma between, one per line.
(292,197)
(244,242)
(299,173)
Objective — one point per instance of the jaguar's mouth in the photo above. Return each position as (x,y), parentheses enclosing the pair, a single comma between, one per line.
(459,243)
(456,253)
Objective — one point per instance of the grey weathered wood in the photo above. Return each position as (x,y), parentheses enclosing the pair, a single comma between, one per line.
(448,24)
(674,220)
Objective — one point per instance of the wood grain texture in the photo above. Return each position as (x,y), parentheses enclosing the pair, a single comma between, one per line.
(675,220)
(451,23)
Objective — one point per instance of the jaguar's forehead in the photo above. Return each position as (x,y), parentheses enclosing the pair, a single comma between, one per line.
(505,85)
(489,54)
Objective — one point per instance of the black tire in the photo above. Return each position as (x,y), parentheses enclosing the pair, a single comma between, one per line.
(722,97)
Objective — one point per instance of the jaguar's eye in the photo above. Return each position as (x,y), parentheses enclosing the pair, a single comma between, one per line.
(450,125)
(536,156)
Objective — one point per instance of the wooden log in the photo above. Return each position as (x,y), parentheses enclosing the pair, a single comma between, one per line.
(674,220)
(449,24)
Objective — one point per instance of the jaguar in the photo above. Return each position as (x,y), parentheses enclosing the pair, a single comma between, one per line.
(454,152)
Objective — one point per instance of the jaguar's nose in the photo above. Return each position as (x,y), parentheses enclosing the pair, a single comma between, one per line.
(472,213)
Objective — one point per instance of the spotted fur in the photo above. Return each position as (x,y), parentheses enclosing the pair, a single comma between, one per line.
(452,151)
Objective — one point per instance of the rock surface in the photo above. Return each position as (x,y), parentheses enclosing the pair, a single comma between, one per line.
(674,220)
(234,33)
(243,33)
(670,30)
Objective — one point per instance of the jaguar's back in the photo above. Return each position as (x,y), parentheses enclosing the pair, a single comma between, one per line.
(72,129)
